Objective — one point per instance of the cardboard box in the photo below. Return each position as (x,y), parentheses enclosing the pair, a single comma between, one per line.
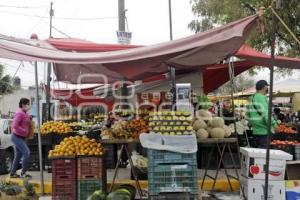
(254,189)
(253,163)
(292,189)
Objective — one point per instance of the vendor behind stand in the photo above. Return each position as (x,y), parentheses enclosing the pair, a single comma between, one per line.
(257,115)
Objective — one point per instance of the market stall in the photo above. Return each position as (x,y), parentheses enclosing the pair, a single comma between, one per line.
(198,52)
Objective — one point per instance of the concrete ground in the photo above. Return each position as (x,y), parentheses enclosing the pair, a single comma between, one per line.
(124,174)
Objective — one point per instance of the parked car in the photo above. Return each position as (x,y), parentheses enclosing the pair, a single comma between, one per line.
(6,146)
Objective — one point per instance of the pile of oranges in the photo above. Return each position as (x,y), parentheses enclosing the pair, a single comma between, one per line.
(77,146)
(58,127)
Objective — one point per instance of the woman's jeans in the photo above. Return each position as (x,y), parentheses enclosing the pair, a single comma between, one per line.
(21,151)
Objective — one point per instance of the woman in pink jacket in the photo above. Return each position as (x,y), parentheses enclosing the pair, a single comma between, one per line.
(20,129)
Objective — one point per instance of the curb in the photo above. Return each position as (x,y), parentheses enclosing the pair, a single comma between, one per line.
(221,184)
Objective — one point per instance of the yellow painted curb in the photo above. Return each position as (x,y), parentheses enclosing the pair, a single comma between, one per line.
(221,184)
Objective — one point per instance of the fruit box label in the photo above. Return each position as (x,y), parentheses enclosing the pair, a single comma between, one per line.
(254,189)
(292,189)
(256,168)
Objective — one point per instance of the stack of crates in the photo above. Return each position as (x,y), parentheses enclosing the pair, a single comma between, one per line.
(91,176)
(64,178)
(171,173)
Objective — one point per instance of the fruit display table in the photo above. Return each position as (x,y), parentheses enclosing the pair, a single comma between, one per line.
(221,145)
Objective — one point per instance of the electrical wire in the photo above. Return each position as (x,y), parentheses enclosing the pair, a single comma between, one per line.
(22,7)
(58,18)
(12,66)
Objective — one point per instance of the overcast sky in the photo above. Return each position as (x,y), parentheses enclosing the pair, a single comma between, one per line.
(148,20)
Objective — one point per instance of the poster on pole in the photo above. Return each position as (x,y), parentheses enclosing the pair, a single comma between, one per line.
(124,37)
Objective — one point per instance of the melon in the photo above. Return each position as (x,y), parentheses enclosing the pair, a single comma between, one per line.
(198,124)
(227,131)
(202,134)
(204,114)
(217,133)
(217,122)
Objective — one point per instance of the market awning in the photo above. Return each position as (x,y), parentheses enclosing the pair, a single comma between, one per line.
(188,53)
(77,97)
(261,59)
(80,45)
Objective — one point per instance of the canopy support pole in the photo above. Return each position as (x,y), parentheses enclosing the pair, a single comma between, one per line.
(37,101)
(173,87)
(232,85)
(273,40)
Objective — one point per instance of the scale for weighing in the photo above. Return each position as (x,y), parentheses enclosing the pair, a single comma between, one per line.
(183,97)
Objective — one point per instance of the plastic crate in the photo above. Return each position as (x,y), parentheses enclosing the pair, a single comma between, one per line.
(111,155)
(86,188)
(156,157)
(174,196)
(64,189)
(172,178)
(34,164)
(64,168)
(90,167)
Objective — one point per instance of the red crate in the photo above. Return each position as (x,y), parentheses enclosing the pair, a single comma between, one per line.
(64,168)
(64,189)
(90,167)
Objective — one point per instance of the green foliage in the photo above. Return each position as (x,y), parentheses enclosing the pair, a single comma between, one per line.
(241,82)
(210,13)
(10,188)
(5,82)
(29,188)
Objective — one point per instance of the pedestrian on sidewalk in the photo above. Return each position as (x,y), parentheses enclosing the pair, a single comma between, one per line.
(21,129)
(258,115)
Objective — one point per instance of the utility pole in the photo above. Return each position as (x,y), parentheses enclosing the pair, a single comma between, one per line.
(170,20)
(122,21)
(121,11)
(172,69)
(48,109)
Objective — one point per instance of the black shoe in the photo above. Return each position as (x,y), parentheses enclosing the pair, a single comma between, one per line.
(25,175)
(14,176)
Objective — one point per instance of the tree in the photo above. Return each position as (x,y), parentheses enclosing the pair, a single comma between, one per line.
(210,13)
(241,82)
(5,82)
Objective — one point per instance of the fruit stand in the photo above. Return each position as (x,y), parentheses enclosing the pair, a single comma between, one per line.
(287,138)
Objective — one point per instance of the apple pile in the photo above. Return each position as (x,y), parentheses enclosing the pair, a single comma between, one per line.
(282,128)
(286,142)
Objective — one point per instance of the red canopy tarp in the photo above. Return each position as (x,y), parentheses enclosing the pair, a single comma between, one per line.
(133,64)
(78,97)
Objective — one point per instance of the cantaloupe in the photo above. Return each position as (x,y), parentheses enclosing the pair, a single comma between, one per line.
(227,131)
(199,123)
(217,122)
(217,133)
(204,114)
(202,134)
(208,129)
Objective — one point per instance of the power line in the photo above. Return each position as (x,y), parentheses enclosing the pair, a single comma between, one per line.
(12,66)
(58,18)
(22,7)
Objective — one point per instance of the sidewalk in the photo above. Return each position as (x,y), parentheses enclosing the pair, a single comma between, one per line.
(124,177)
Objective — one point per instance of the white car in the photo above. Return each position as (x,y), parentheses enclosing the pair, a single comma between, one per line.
(6,146)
